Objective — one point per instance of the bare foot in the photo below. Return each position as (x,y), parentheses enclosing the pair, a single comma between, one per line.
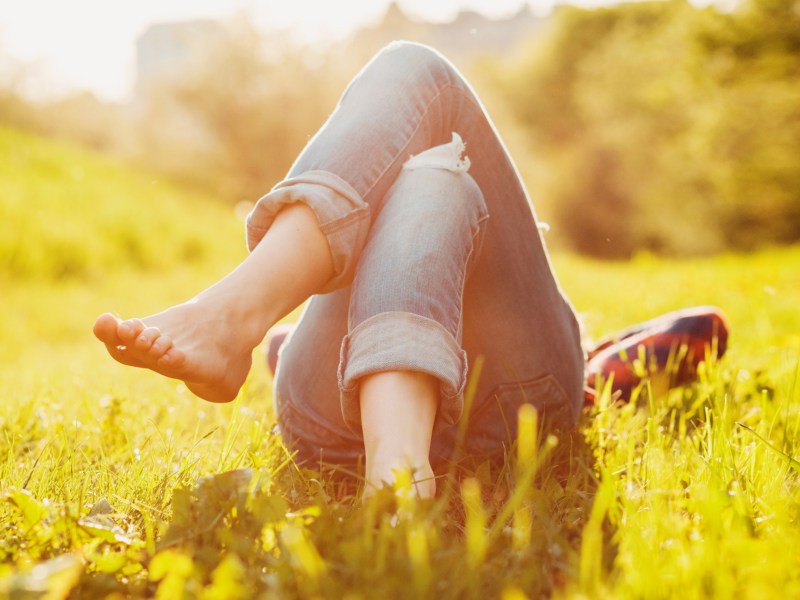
(208,341)
(202,342)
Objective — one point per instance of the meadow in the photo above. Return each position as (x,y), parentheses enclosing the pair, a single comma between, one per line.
(117,483)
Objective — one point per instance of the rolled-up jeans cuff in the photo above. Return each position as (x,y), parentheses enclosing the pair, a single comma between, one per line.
(402,341)
(342,214)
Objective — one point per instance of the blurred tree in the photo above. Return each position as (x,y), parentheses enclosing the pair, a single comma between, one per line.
(751,76)
(665,127)
(249,109)
(577,94)
(79,116)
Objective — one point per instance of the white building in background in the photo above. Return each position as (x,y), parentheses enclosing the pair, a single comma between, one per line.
(167,56)
(169,51)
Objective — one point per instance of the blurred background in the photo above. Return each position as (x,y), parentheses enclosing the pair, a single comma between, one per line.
(646,127)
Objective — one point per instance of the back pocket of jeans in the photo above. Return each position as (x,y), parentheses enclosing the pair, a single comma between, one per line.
(493,426)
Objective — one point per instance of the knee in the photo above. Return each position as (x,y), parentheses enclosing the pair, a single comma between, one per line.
(442,182)
(413,50)
(431,227)
(419,59)
(459,194)
(434,203)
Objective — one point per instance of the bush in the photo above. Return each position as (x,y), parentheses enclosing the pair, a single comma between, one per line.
(666,128)
(68,213)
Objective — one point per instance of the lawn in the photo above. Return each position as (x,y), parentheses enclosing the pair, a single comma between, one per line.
(118,483)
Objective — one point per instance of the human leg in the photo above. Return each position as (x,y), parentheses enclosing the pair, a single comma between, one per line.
(408,100)
(401,324)
(398,410)
(208,340)
(401,360)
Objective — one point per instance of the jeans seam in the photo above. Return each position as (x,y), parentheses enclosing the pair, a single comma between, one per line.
(465,275)
(475,246)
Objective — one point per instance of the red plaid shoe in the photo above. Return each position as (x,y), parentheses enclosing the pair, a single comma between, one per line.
(672,345)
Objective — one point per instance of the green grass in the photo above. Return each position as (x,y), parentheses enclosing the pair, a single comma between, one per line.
(691,493)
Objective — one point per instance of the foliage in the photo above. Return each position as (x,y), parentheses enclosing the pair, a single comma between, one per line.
(204,501)
(245,113)
(646,126)
(62,215)
(665,127)
(118,483)
(80,118)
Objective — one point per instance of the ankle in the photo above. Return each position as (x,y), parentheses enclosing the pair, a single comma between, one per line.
(238,312)
(403,474)
(398,409)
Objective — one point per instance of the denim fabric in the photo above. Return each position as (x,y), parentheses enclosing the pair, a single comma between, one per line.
(436,264)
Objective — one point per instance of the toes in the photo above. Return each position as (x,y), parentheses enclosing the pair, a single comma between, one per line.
(171,359)
(122,355)
(161,344)
(128,330)
(105,329)
(146,338)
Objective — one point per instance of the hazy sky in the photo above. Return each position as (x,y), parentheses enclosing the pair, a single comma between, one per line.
(90,43)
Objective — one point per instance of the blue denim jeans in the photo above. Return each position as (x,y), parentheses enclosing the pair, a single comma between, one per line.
(438,260)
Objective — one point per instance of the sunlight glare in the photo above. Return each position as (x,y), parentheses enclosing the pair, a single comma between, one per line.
(90,44)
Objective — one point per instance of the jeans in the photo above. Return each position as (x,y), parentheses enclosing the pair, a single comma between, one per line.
(438,261)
